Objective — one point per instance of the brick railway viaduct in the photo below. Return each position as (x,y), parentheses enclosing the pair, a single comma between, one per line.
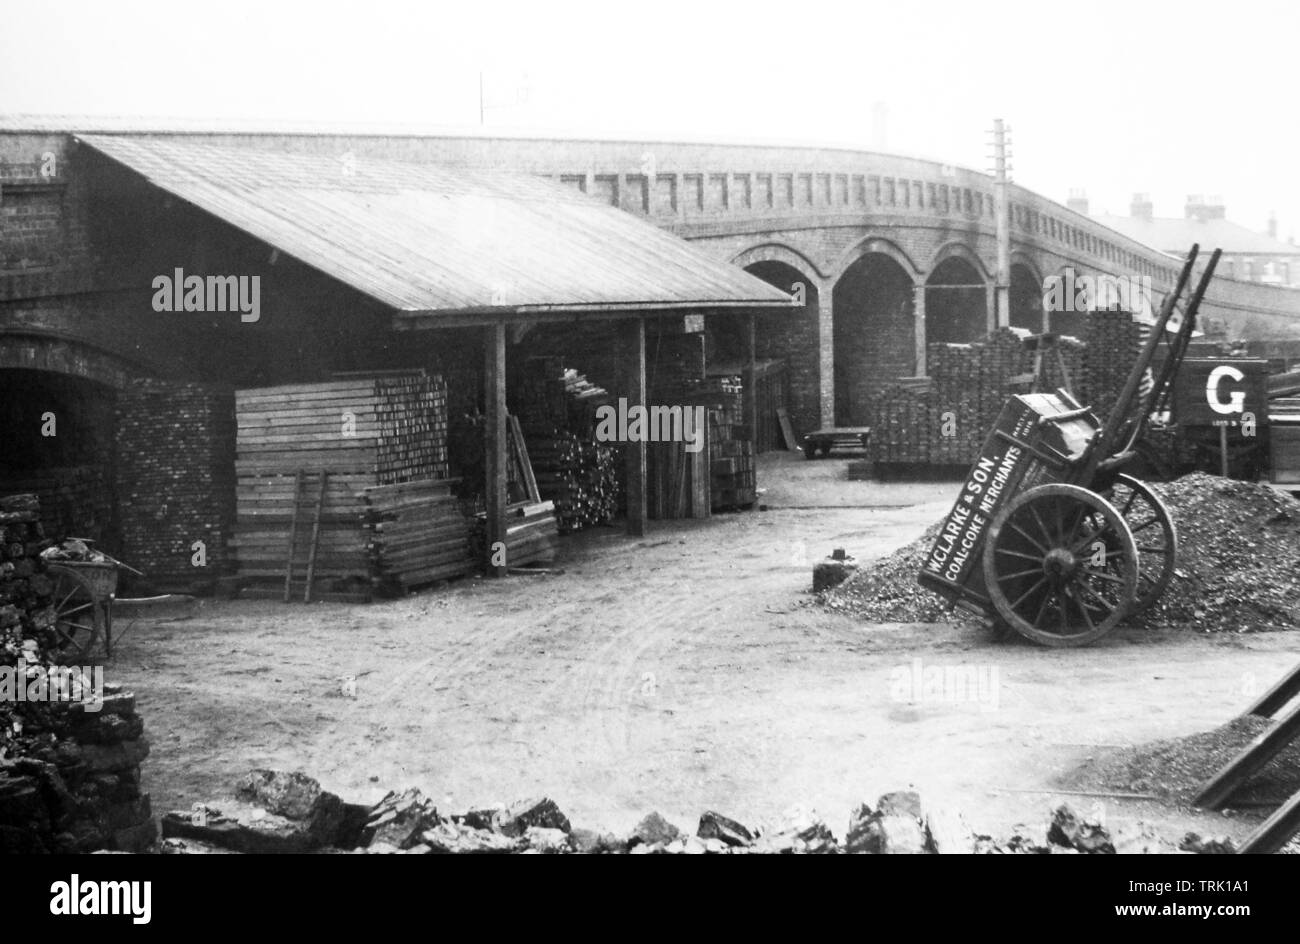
(888,253)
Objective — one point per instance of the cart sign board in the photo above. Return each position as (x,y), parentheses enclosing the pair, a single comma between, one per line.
(1220,392)
(993,479)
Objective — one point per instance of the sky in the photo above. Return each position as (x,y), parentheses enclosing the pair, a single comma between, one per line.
(1113,98)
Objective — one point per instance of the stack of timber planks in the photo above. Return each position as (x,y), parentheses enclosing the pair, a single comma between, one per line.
(387,517)
(943,419)
(1114,342)
(393,428)
(265,515)
(902,420)
(578,476)
(532,534)
(416,534)
(678,483)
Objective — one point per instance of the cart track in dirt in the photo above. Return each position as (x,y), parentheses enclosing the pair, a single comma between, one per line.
(679,672)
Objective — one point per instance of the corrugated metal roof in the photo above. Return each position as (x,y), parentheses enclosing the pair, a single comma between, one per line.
(432,238)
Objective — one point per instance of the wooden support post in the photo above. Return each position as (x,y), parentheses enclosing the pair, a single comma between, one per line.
(751,379)
(494,444)
(634,368)
(1223,451)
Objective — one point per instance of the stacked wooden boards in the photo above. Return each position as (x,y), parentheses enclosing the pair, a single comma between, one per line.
(392,428)
(579,476)
(942,420)
(358,464)
(677,480)
(532,533)
(1115,340)
(416,534)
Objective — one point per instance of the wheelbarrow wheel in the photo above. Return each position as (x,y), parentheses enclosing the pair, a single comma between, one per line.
(77,622)
(1153,531)
(1060,565)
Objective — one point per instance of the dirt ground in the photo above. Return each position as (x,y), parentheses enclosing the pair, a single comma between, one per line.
(681,672)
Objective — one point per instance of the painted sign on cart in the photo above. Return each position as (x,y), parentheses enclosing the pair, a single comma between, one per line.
(992,479)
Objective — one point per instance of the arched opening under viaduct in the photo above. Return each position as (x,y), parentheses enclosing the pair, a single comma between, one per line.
(1026,298)
(874,333)
(791,336)
(57,435)
(956,303)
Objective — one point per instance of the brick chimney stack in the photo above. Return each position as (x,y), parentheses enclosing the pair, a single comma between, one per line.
(1141,207)
(1272,225)
(1078,201)
(1202,208)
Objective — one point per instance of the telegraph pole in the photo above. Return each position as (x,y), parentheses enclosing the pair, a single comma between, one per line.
(1001,175)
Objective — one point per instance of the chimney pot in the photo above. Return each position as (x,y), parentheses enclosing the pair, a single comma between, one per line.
(1141,208)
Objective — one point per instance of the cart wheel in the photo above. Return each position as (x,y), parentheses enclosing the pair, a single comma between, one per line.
(77,618)
(810,450)
(1060,565)
(1153,531)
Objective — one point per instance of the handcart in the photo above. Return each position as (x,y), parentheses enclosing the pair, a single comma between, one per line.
(83,593)
(1048,535)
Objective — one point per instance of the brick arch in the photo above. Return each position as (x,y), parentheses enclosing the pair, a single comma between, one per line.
(777,252)
(959,250)
(874,244)
(61,355)
(1022,258)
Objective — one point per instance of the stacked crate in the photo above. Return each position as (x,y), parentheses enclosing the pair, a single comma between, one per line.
(174,483)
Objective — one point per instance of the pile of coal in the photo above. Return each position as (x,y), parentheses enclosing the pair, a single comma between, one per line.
(1176,768)
(1237,567)
(1238,563)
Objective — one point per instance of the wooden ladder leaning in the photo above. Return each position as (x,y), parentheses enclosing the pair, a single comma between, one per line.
(300,482)
(1277,830)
